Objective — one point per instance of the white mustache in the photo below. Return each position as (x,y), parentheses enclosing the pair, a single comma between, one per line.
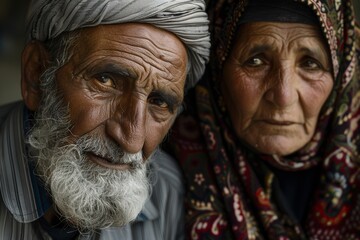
(108,150)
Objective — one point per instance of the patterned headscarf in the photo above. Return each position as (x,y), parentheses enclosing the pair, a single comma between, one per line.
(47,19)
(230,189)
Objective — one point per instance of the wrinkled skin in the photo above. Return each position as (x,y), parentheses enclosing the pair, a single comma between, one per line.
(125,81)
(275,82)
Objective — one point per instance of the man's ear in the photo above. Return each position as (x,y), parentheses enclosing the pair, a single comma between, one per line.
(34,61)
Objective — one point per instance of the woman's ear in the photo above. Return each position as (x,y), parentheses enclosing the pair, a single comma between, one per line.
(34,61)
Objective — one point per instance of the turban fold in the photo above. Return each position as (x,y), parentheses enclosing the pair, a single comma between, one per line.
(47,19)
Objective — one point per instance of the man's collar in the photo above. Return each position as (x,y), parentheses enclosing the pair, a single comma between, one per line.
(15,180)
(148,213)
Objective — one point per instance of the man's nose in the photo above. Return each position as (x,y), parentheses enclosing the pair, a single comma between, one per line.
(282,87)
(127,127)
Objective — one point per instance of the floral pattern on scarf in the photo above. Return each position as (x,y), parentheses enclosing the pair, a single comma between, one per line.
(230,190)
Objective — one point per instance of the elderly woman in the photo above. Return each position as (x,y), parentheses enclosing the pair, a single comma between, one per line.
(270,150)
(102,83)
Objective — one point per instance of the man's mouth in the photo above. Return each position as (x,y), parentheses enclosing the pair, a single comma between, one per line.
(107,163)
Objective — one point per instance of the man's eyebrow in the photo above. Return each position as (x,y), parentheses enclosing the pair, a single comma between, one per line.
(116,69)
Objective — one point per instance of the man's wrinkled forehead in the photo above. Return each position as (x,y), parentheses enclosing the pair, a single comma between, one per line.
(124,48)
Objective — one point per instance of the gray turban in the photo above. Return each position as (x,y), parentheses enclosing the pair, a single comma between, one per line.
(47,19)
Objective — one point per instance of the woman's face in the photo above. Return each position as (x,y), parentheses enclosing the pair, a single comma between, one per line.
(274,82)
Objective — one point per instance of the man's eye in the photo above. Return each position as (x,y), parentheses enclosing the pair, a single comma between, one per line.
(158,101)
(105,80)
(162,102)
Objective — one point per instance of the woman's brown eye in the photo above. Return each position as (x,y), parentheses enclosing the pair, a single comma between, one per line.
(105,80)
(311,64)
(254,62)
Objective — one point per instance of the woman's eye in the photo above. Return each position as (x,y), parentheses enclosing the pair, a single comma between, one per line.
(311,64)
(254,62)
(105,80)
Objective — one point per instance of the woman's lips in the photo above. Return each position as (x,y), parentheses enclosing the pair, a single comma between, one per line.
(106,163)
(277,122)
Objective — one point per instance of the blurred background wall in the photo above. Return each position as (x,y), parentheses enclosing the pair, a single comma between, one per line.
(12,15)
(357,10)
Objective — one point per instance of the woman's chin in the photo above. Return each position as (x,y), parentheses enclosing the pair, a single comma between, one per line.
(280,146)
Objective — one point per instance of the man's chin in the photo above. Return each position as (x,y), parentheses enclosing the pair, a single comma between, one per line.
(118,216)
(98,197)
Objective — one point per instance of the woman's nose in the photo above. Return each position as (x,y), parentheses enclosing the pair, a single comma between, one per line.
(127,127)
(282,87)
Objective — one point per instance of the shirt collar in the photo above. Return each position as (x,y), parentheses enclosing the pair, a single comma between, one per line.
(15,180)
(148,213)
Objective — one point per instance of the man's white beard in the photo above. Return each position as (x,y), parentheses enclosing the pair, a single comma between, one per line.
(86,194)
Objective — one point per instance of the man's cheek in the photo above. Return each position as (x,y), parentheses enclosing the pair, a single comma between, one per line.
(154,136)
(86,118)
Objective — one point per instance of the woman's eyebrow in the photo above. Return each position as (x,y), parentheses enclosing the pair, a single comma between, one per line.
(259,48)
(312,51)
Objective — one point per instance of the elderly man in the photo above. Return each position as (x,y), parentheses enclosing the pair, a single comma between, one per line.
(102,82)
